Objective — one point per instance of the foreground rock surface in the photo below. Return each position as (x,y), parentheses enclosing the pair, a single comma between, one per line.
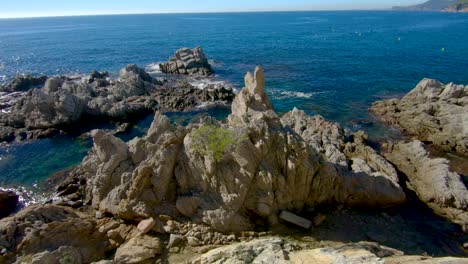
(65,102)
(432,180)
(235,176)
(277,250)
(433,112)
(188,61)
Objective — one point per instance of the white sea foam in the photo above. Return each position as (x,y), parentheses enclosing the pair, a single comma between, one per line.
(281,94)
(28,195)
(8,99)
(205,83)
(153,68)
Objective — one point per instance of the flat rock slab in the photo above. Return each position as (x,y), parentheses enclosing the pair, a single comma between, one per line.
(295,219)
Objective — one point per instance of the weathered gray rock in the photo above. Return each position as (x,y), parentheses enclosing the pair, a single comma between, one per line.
(432,112)
(432,180)
(268,250)
(187,61)
(24,83)
(223,174)
(353,173)
(277,250)
(64,102)
(59,230)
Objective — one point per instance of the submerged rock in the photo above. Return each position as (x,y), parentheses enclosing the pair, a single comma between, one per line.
(188,61)
(432,180)
(433,112)
(237,175)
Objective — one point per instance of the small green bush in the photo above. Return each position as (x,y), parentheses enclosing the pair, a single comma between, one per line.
(214,141)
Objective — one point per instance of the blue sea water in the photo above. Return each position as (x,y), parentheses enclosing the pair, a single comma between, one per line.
(330,63)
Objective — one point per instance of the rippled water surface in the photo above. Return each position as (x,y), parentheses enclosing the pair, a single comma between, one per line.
(330,63)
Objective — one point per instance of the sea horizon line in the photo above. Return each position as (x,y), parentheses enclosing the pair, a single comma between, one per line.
(204,12)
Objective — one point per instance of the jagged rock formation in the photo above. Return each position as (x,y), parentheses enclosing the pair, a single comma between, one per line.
(235,175)
(187,61)
(432,180)
(64,102)
(432,112)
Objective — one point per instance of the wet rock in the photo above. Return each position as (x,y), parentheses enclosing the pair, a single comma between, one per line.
(8,203)
(187,61)
(24,83)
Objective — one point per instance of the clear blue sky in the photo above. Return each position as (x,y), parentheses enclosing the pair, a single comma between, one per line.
(28,8)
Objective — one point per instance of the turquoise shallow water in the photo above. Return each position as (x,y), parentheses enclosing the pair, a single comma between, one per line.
(330,63)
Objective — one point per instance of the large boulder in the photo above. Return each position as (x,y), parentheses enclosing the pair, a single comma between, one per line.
(432,180)
(8,203)
(54,234)
(188,61)
(234,176)
(140,249)
(433,112)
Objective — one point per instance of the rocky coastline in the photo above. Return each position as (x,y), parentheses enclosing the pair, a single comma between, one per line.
(41,107)
(255,188)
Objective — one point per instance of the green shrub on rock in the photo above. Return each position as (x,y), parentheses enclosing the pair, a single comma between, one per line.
(215,141)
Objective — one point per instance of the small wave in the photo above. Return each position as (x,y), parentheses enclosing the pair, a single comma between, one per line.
(153,68)
(205,83)
(202,18)
(205,105)
(278,94)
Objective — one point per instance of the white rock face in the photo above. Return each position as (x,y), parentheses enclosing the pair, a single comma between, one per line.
(432,180)
(433,112)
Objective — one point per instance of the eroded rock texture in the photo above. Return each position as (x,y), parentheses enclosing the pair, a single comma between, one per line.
(232,176)
(433,112)
(432,180)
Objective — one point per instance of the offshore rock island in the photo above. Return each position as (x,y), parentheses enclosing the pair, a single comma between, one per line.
(233,191)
